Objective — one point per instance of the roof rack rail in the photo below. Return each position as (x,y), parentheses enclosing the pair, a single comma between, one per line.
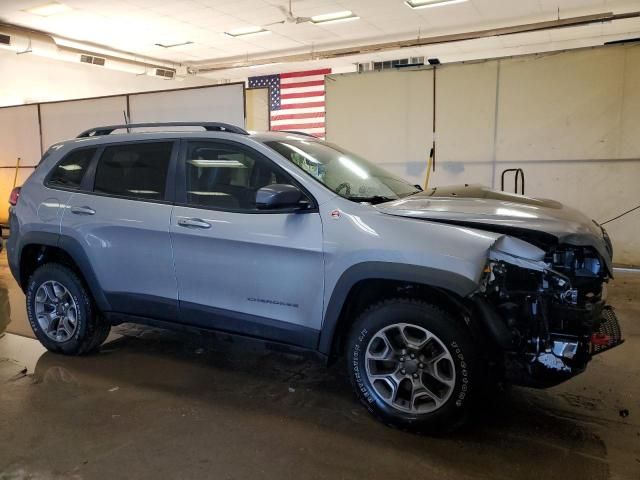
(296,132)
(208,126)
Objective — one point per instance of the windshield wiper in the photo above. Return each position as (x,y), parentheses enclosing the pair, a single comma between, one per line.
(412,193)
(375,199)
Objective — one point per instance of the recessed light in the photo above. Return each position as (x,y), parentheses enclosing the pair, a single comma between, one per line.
(240,32)
(430,3)
(48,9)
(334,17)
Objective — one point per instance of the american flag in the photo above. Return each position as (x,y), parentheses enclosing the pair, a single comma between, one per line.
(296,100)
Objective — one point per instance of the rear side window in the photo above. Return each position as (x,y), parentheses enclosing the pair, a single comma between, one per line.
(134,170)
(70,171)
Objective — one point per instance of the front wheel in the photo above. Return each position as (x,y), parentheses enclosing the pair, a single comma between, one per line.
(413,365)
(61,312)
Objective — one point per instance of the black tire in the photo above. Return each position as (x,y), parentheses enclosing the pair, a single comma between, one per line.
(91,328)
(450,332)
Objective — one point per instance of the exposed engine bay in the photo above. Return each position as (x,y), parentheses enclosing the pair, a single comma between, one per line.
(553,305)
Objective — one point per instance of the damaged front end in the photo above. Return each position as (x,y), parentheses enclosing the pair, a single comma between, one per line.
(542,296)
(546,309)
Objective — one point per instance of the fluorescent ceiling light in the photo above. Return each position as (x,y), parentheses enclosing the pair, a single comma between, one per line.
(431,3)
(240,32)
(172,45)
(344,16)
(48,9)
(260,65)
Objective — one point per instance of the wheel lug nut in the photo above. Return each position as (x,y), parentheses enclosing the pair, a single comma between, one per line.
(421,365)
(415,375)
(403,371)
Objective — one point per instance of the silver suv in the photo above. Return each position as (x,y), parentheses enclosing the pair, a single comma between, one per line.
(290,239)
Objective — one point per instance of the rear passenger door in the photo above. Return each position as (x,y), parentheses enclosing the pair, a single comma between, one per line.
(120,221)
(242,269)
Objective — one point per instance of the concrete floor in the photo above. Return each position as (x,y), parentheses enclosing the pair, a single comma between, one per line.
(156,404)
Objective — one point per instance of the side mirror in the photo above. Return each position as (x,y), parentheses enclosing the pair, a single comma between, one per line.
(278,196)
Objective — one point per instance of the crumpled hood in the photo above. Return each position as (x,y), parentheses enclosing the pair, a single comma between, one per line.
(480,207)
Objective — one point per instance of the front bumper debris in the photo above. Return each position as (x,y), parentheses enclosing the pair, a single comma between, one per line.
(608,334)
(564,357)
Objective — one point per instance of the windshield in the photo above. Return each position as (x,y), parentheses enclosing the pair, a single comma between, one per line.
(347,174)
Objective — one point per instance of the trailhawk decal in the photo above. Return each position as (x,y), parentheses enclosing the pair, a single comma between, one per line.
(273,302)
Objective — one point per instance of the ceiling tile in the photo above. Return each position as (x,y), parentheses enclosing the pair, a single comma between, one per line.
(136,25)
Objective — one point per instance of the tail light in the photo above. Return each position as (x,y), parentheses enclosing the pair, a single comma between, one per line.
(15,194)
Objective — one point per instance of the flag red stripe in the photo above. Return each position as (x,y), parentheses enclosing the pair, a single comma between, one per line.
(298,126)
(297,116)
(323,71)
(302,95)
(301,105)
(313,83)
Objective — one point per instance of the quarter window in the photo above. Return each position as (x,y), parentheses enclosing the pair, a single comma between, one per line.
(226,177)
(70,171)
(134,170)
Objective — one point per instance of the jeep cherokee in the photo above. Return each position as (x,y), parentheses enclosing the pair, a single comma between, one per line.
(291,239)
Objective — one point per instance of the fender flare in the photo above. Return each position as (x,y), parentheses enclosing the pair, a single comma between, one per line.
(74,249)
(433,277)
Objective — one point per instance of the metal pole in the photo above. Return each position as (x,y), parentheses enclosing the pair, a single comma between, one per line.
(15,177)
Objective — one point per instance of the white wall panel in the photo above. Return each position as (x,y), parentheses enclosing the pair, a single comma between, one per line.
(630,118)
(65,120)
(562,106)
(465,123)
(387,117)
(19,138)
(223,103)
(19,135)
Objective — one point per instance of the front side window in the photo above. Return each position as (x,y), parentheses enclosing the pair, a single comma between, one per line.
(137,170)
(70,171)
(223,176)
(343,172)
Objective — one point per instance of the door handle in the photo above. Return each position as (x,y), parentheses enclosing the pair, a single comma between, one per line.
(83,210)
(193,223)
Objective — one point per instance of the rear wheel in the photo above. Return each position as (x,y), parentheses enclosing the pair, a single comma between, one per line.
(413,365)
(61,312)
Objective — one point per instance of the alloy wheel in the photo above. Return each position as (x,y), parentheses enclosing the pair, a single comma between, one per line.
(56,311)
(410,368)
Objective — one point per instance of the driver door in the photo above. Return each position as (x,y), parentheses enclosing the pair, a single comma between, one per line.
(238,268)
